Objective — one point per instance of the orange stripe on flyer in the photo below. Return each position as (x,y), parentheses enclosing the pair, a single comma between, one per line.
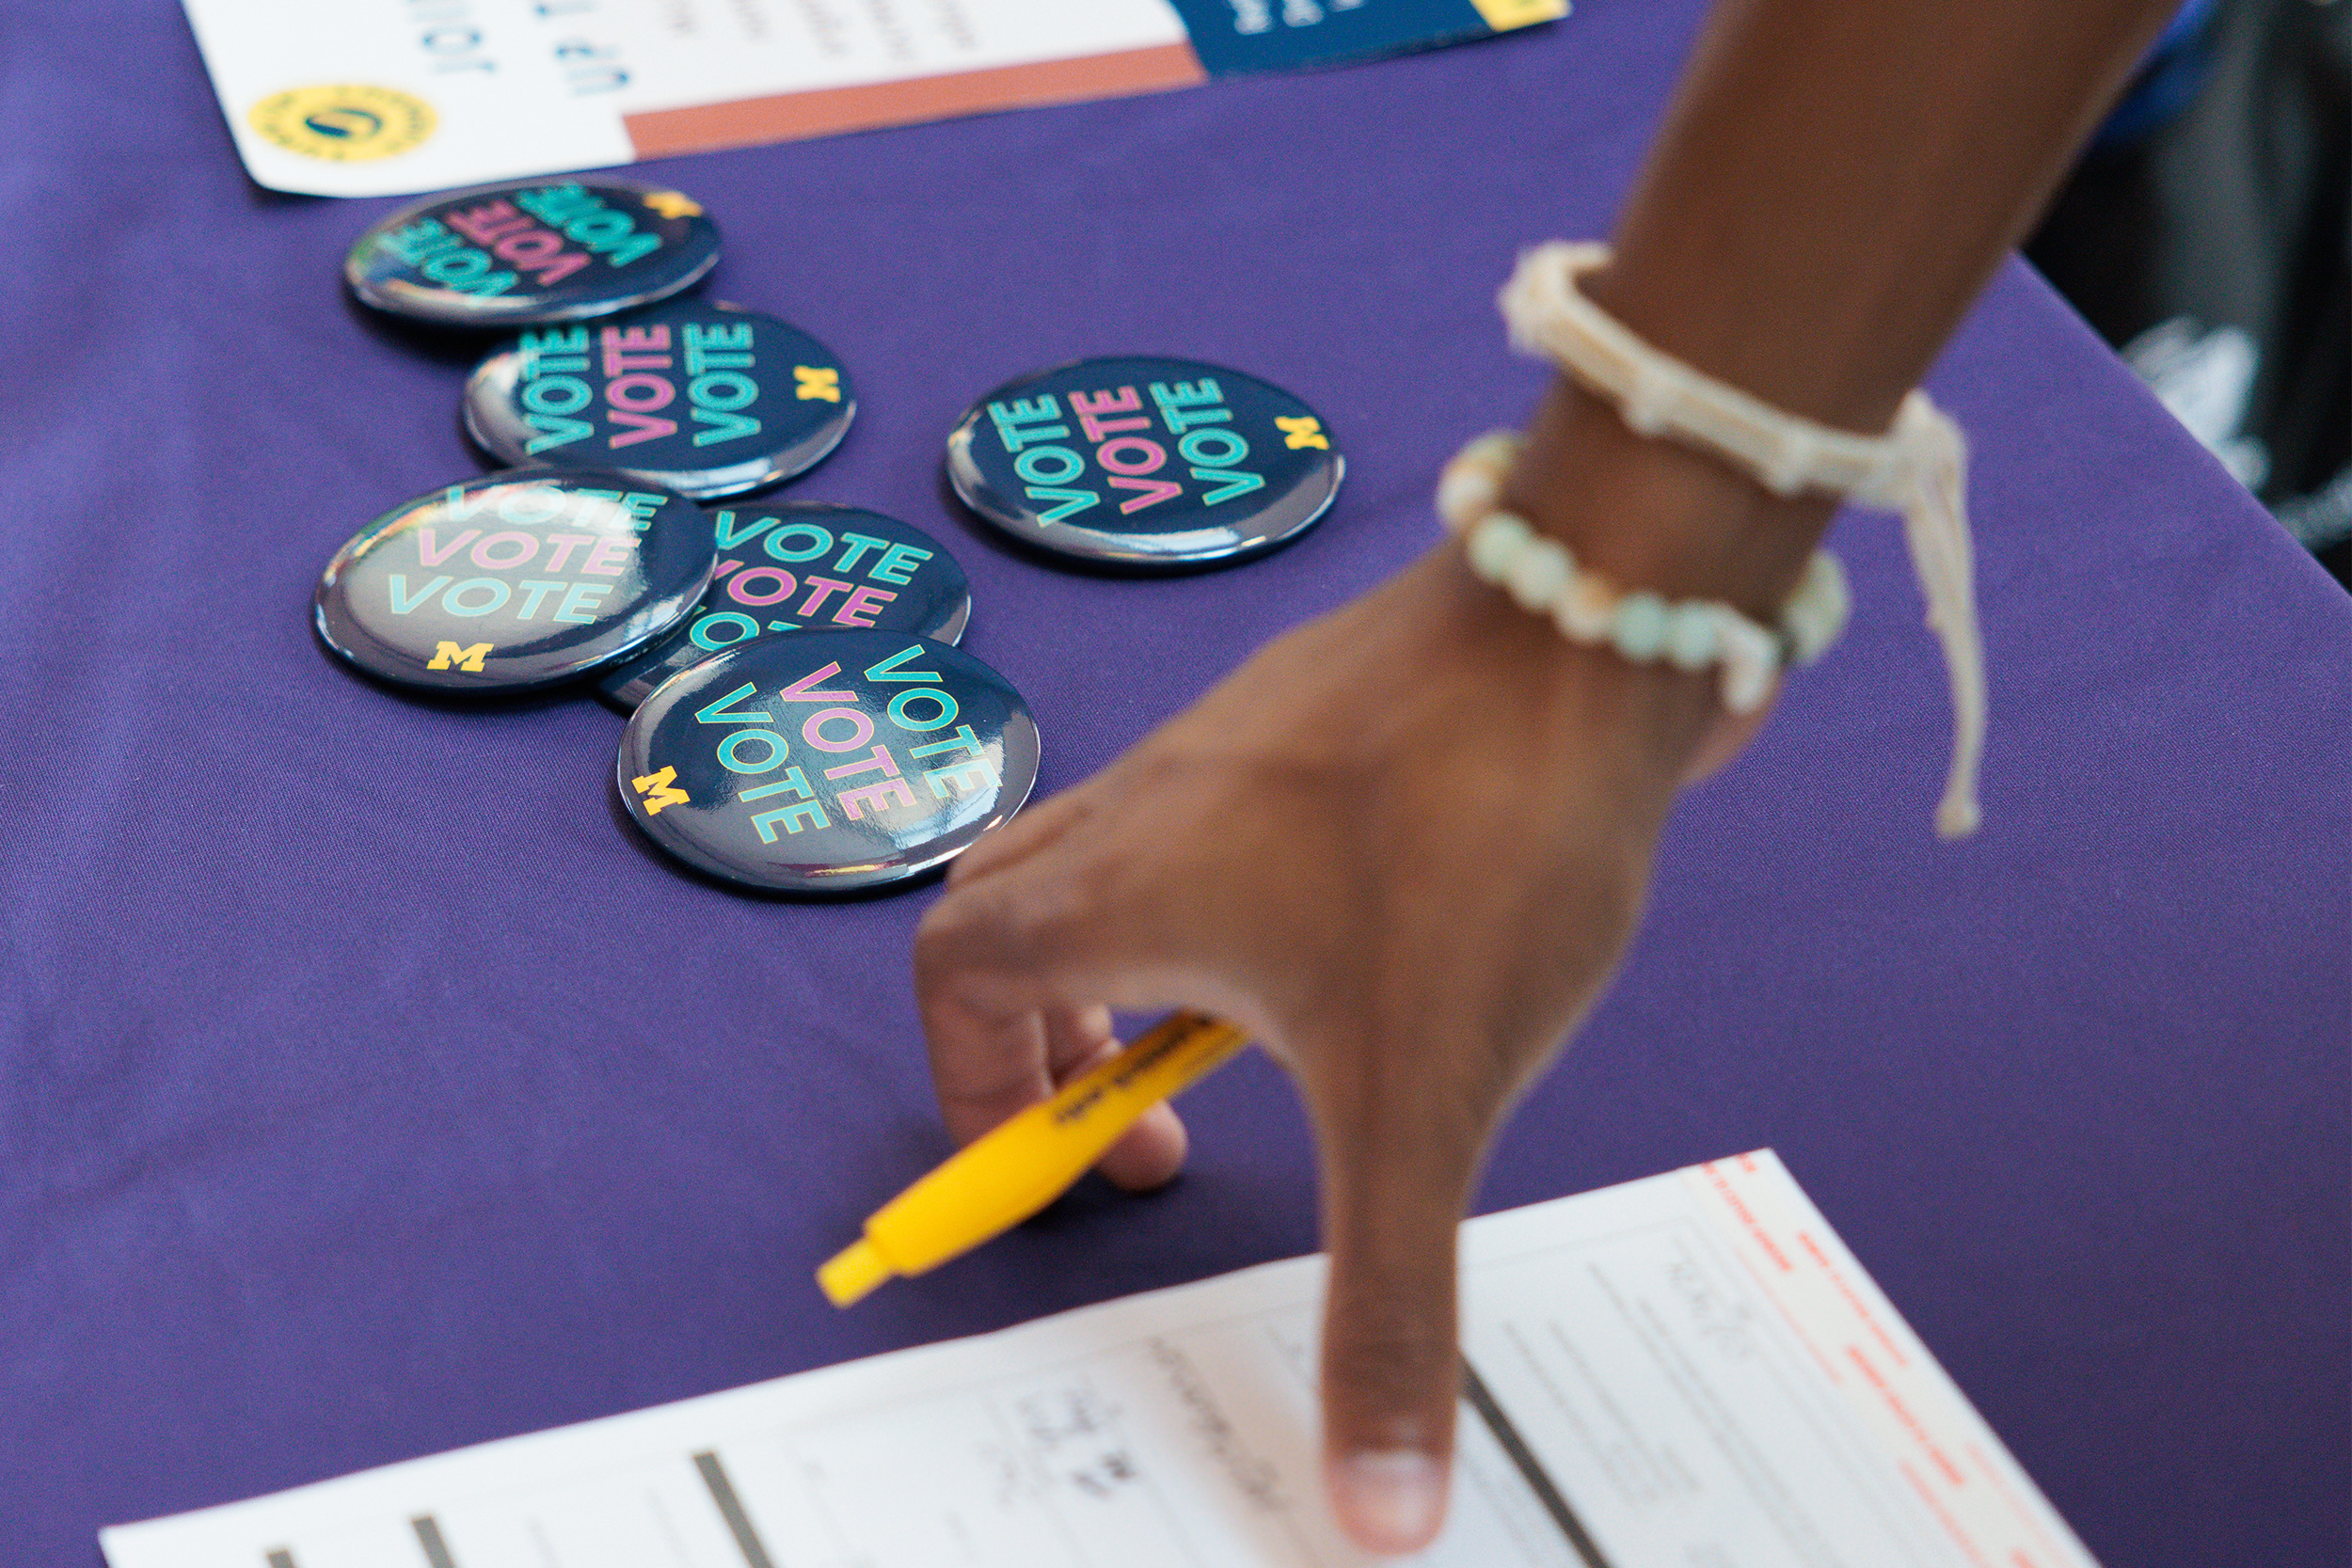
(793,116)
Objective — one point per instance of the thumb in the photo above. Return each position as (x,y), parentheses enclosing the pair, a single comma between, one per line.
(1395,1188)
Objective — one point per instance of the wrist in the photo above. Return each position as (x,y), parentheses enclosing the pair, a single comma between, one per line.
(1650,514)
(1646,515)
(1662,725)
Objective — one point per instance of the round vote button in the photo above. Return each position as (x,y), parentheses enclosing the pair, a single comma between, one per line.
(705,399)
(533,250)
(515,581)
(828,761)
(794,566)
(1145,463)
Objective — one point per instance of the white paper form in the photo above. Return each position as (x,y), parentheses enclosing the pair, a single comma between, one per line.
(386,97)
(1688,1372)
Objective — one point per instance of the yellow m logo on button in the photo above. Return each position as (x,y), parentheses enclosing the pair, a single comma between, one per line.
(656,788)
(1302,432)
(447,655)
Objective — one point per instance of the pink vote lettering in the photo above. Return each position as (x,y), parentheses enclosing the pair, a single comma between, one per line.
(565,545)
(516,239)
(633,395)
(516,547)
(1090,407)
(819,590)
(784,585)
(1131,454)
(807,691)
(861,729)
(882,793)
(433,553)
(859,608)
(1126,459)
(609,559)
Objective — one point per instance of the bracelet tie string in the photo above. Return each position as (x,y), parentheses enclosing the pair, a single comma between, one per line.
(1919,469)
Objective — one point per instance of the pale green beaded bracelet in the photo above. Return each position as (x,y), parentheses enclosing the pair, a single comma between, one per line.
(1691,634)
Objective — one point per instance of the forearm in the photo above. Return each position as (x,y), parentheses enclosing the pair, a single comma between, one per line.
(1832,188)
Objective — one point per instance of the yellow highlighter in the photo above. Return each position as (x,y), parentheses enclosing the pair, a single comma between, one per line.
(1016,1170)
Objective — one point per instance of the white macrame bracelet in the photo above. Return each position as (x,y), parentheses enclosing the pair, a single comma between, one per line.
(1918,469)
(1543,576)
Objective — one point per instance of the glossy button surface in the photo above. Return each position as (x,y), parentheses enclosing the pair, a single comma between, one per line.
(707,399)
(791,567)
(533,250)
(515,581)
(828,760)
(1145,463)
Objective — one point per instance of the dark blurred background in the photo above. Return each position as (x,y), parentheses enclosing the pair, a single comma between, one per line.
(2207,234)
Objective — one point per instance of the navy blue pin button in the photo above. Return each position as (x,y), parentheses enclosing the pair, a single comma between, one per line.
(793,567)
(513,580)
(1145,463)
(705,399)
(827,761)
(533,250)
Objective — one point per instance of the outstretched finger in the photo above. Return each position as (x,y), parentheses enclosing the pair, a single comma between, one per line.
(1398,1162)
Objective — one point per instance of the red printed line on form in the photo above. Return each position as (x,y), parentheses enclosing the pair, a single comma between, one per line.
(1886,1341)
(1910,1423)
(1935,1506)
(1740,1212)
(2033,1524)
(1796,1324)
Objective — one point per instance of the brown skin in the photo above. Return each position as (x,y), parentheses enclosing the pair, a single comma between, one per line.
(1832,187)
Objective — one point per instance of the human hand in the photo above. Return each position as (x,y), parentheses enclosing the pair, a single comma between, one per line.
(1403,847)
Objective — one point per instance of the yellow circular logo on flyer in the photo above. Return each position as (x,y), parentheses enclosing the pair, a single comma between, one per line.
(347,123)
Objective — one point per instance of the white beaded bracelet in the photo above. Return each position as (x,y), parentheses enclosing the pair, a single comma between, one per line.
(1543,576)
(1919,469)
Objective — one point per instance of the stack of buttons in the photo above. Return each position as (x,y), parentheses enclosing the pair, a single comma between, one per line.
(613,406)
(801,719)
(790,566)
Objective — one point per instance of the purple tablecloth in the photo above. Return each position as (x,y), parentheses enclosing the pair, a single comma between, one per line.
(368,1089)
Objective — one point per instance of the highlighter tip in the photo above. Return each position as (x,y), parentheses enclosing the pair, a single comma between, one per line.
(851,1275)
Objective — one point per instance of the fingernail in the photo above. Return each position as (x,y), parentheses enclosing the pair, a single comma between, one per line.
(1389,1502)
